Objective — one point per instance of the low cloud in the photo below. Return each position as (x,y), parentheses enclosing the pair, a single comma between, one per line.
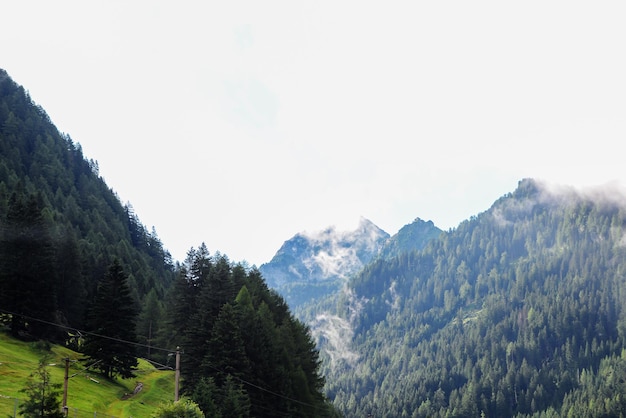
(611,194)
(334,334)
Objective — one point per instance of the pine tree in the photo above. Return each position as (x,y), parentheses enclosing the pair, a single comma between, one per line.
(43,395)
(27,267)
(207,395)
(226,353)
(149,320)
(110,346)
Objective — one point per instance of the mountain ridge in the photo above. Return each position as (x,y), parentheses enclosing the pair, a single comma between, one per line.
(498,316)
(311,264)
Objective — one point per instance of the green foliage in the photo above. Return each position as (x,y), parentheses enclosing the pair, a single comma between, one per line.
(112,326)
(244,353)
(43,396)
(67,216)
(86,398)
(207,395)
(184,408)
(411,237)
(28,274)
(150,321)
(517,312)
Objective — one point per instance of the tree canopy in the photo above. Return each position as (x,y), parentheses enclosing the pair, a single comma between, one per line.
(54,204)
(243,349)
(112,318)
(517,312)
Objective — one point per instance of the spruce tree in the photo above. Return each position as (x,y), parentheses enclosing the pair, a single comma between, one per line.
(110,344)
(149,321)
(43,395)
(27,267)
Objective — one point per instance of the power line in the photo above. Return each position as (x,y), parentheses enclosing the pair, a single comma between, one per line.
(265,390)
(82,332)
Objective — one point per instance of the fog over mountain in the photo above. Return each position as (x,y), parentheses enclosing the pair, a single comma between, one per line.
(313,264)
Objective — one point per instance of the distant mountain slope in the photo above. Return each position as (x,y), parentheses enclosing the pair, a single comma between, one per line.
(411,237)
(310,265)
(517,312)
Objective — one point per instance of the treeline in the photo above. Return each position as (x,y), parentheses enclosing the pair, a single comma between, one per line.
(517,312)
(74,259)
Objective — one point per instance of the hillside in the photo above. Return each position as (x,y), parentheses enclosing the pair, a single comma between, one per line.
(517,312)
(47,183)
(88,392)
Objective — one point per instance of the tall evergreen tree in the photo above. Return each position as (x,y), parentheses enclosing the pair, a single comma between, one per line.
(150,318)
(223,362)
(27,267)
(71,286)
(109,346)
(42,395)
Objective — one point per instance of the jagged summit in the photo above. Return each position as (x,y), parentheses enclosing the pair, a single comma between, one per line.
(314,264)
(410,237)
(311,264)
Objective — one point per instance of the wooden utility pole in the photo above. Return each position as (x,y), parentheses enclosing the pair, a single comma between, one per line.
(177,374)
(65,383)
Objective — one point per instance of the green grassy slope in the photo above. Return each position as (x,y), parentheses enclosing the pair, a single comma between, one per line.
(88,392)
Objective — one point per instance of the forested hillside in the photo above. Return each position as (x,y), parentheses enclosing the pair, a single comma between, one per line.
(78,267)
(517,312)
(61,224)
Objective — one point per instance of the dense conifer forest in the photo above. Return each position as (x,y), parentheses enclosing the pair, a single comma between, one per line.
(77,265)
(517,312)
(77,224)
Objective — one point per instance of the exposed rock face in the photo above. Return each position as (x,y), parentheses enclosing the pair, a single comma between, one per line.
(311,265)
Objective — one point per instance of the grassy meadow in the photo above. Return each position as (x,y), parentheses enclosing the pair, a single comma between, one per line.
(89,393)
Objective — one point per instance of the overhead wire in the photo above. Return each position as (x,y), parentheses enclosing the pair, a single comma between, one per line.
(94,334)
(82,332)
(265,390)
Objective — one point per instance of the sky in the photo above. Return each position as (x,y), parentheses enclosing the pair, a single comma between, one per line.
(239,124)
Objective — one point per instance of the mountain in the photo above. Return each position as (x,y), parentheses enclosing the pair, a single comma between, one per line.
(411,237)
(519,311)
(310,265)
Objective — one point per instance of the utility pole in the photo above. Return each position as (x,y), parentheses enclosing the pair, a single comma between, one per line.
(65,383)
(177,374)
(149,338)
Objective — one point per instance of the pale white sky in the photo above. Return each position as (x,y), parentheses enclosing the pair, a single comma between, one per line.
(240,124)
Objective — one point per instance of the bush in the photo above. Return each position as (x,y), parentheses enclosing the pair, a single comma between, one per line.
(184,408)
